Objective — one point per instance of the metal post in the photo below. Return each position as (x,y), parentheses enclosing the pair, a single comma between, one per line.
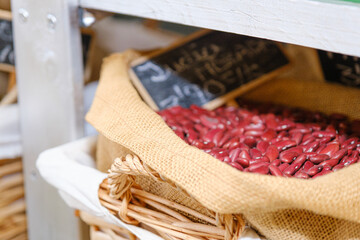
(50,81)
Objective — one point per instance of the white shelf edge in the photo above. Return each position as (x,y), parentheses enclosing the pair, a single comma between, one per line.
(323,25)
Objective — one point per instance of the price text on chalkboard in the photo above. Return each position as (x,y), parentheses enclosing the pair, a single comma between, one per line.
(340,68)
(207,70)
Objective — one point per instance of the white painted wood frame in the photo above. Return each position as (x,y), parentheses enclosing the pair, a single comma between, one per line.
(318,24)
(50,80)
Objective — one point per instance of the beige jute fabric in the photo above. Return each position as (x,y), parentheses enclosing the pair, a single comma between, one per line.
(280,208)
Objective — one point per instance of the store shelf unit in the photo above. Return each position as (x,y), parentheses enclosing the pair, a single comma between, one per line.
(49,72)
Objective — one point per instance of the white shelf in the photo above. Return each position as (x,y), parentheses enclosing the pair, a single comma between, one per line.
(323,25)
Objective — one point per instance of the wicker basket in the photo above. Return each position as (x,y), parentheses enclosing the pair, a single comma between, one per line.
(12,202)
(101,230)
(172,221)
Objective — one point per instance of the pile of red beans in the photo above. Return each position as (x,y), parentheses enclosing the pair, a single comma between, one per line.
(269,139)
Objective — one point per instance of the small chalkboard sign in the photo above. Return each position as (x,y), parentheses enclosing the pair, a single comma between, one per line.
(7,55)
(340,68)
(208,69)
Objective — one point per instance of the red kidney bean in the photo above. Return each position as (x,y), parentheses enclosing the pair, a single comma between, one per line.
(270,121)
(236,145)
(180,134)
(201,129)
(311,147)
(297,149)
(225,138)
(201,145)
(310,154)
(282,135)
(268,135)
(283,145)
(351,146)
(272,153)
(301,130)
(250,141)
(245,154)
(297,137)
(234,154)
(285,125)
(295,166)
(194,118)
(323,172)
(321,134)
(288,157)
(320,148)
(262,169)
(262,146)
(254,133)
(210,122)
(300,159)
(290,170)
(243,161)
(276,162)
(217,137)
(231,141)
(308,140)
(301,174)
(283,166)
(237,131)
(252,126)
(237,166)
(330,149)
(255,154)
(313,126)
(342,138)
(307,165)
(316,159)
(338,167)
(349,142)
(185,122)
(325,140)
(354,153)
(314,170)
(351,160)
(191,135)
(339,154)
(209,136)
(275,140)
(344,159)
(227,160)
(264,159)
(274,170)
(332,162)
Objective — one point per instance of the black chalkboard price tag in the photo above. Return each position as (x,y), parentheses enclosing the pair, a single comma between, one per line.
(340,68)
(208,69)
(7,55)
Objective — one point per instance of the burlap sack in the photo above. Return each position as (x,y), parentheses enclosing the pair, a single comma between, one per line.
(280,208)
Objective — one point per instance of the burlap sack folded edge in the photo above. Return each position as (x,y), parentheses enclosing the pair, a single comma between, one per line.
(120,115)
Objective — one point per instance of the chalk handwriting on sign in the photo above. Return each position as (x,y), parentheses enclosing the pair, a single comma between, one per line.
(205,68)
(340,68)
(6,43)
